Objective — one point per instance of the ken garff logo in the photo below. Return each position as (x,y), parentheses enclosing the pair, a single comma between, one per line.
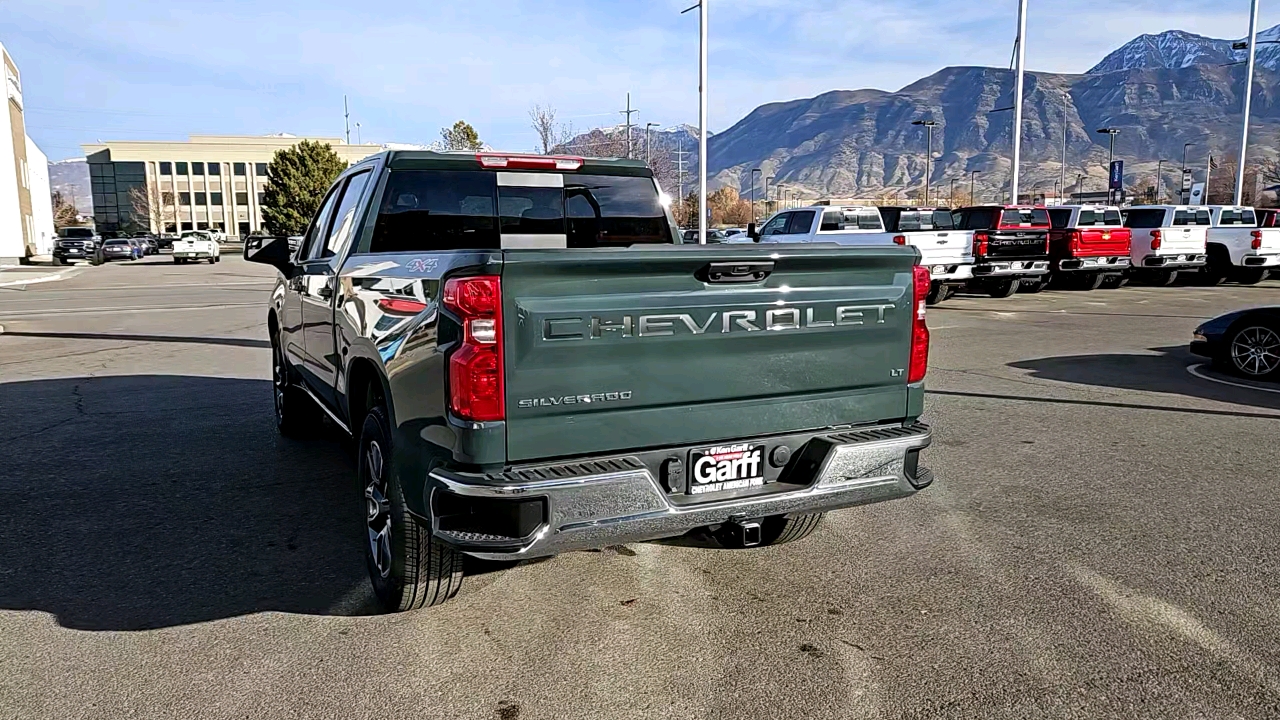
(729,321)
(420,265)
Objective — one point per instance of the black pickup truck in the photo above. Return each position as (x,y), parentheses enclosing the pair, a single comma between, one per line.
(531,361)
(1010,247)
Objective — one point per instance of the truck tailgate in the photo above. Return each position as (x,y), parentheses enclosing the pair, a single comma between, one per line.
(942,246)
(1177,240)
(609,350)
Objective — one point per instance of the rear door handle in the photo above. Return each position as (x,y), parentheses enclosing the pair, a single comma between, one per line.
(735,272)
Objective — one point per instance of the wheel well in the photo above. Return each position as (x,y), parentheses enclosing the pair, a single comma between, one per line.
(364,389)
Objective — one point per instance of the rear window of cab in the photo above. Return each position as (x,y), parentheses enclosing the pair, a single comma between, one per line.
(1024,217)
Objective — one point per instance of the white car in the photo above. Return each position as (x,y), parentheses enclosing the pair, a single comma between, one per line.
(194,246)
(1238,249)
(946,251)
(1167,239)
(833,224)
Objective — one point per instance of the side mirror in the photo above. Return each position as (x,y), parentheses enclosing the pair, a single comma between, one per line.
(273,251)
(752,232)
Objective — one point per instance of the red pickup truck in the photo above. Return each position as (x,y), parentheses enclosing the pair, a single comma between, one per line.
(1088,246)
(1010,247)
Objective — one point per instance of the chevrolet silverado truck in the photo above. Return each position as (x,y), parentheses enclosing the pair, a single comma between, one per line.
(1010,247)
(946,251)
(854,225)
(1167,240)
(1238,249)
(195,246)
(1088,246)
(531,361)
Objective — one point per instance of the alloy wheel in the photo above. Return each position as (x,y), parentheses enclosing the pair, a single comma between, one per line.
(1256,351)
(377,508)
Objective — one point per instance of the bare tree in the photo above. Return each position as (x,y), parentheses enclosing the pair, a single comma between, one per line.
(64,213)
(551,134)
(149,202)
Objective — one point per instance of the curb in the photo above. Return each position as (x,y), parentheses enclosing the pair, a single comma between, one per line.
(52,277)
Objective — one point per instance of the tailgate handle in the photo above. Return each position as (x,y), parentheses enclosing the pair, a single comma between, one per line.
(735,272)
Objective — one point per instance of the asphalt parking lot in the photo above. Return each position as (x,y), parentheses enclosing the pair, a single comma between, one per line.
(1101,542)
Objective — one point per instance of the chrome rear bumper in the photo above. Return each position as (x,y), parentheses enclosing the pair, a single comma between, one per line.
(1011,268)
(597,510)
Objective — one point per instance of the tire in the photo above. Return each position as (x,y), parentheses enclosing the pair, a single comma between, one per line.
(776,530)
(1252,350)
(1250,276)
(296,414)
(59,262)
(1160,278)
(1217,269)
(178,261)
(97,259)
(1002,288)
(212,260)
(1031,287)
(1115,282)
(408,567)
(1090,281)
(938,292)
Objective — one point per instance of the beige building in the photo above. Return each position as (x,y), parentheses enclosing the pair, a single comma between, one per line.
(210,182)
(26,220)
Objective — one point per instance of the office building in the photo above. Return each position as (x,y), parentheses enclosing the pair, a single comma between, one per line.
(26,215)
(209,182)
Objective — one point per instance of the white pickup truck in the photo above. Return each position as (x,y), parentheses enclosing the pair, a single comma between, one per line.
(194,246)
(827,224)
(946,251)
(1166,240)
(1239,250)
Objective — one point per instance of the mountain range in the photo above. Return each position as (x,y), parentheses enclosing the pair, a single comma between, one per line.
(1160,92)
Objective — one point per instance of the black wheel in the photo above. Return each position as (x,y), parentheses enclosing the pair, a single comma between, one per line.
(776,530)
(1253,350)
(1250,276)
(212,260)
(1160,278)
(1115,282)
(1031,286)
(408,567)
(177,261)
(295,412)
(937,293)
(1089,281)
(59,261)
(1002,288)
(96,259)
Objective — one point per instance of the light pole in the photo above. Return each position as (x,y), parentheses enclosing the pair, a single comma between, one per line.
(753,191)
(1182,190)
(1248,95)
(928,161)
(972,174)
(1065,126)
(1159,180)
(1111,158)
(648,152)
(766,193)
(1057,191)
(358,140)
(1017,95)
(702,119)
(1079,184)
(952,200)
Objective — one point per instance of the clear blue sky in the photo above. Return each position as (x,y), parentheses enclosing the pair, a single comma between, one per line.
(158,69)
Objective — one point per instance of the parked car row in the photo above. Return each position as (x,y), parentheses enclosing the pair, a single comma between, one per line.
(999,250)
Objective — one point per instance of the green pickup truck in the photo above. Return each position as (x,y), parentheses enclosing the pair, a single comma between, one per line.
(531,361)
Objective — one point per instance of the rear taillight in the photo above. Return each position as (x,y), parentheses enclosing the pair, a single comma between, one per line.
(919,363)
(1077,241)
(1256,244)
(1155,239)
(899,239)
(980,240)
(476,389)
(528,162)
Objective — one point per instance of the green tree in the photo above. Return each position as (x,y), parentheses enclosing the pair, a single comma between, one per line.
(297,179)
(461,137)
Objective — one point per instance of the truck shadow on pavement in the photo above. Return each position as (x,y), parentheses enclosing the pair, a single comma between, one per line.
(1162,373)
(142,502)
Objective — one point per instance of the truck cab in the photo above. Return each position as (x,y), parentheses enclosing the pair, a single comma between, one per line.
(945,250)
(1010,247)
(1167,240)
(1239,249)
(843,225)
(1088,245)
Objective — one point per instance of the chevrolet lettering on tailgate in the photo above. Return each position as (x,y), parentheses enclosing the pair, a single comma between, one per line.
(719,323)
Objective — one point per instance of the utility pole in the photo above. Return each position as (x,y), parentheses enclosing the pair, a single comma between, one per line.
(1248,95)
(1182,193)
(629,112)
(1208,168)
(1065,126)
(346,119)
(1017,95)
(680,153)
(648,154)
(766,193)
(358,140)
(753,191)
(972,174)
(952,200)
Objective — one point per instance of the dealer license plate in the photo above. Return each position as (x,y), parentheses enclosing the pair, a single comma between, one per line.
(726,467)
